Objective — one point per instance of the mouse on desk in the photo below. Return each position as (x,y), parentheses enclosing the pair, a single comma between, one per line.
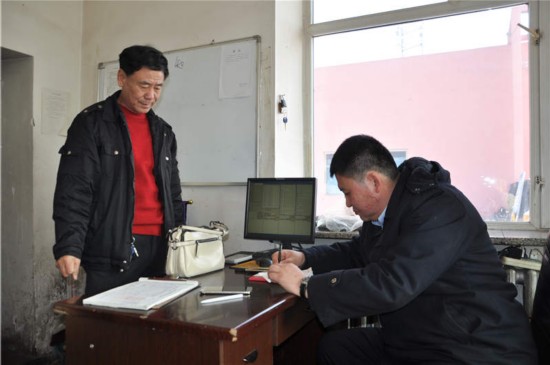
(264,261)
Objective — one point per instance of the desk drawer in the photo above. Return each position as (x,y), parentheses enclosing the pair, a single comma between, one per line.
(94,341)
(233,352)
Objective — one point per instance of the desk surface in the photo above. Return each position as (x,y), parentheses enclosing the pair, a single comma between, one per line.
(268,306)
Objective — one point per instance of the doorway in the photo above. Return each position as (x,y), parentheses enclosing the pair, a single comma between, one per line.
(16,223)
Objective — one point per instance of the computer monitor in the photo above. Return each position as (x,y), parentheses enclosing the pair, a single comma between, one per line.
(280,210)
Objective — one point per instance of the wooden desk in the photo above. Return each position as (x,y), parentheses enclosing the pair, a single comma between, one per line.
(271,326)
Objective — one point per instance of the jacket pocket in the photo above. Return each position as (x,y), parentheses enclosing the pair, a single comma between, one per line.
(461,322)
(71,161)
(112,161)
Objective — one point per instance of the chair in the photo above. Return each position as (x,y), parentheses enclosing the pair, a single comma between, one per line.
(521,271)
(540,315)
(185,204)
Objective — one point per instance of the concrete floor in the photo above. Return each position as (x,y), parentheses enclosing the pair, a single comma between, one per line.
(13,356)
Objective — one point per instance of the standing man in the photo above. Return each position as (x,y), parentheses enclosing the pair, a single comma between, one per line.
(118,189)
(423,263)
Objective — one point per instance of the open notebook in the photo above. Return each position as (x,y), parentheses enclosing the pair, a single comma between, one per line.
(144,294)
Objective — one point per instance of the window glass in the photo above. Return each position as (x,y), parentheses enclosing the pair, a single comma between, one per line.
(453,89)
(327,10)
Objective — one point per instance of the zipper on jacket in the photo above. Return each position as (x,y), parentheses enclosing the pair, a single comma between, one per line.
(133,249)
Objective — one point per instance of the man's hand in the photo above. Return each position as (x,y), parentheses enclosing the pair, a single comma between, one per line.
(287,275)
(68,265)
(289,256)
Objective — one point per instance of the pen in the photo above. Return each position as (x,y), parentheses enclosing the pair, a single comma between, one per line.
(280,251)
(221,299)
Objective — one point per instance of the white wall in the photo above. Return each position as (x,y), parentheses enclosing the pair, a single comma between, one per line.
(292,142)
(108,29)
(67,40)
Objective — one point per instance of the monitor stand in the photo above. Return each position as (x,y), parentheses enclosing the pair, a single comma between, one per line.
(285,245)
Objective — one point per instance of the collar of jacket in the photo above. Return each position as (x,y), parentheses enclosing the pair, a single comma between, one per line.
(419,175)
(112,110)
(416,176)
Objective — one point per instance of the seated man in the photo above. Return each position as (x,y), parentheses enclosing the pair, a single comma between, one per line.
(424,263)
(540,320)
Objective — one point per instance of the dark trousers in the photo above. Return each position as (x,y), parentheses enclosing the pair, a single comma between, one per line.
(352,346)
(151,261)
(541,334)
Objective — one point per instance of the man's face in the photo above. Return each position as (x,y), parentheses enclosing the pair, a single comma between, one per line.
(362,196)
(140,90)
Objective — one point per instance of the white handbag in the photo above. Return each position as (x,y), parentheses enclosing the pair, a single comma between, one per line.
(194,251)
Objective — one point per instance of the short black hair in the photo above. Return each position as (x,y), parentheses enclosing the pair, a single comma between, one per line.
(361,153)
(134,58)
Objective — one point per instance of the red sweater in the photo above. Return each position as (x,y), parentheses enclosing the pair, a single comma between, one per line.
(148,215)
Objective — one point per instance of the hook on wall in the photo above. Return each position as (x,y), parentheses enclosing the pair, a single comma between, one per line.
(282,104)
(283,109)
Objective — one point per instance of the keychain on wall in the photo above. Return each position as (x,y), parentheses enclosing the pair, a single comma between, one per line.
(283,109)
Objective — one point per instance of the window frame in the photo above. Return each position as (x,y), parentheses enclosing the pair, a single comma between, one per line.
(539,78)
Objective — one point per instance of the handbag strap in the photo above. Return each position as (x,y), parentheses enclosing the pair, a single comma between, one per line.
(219,226)
(197,229)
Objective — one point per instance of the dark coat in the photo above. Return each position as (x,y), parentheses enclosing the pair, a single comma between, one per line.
(94,195)
(432,275)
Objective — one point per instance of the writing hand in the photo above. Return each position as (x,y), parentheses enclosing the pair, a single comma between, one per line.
(289,256)
(287,275)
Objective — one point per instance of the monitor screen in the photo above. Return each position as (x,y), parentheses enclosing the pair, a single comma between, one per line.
(280,210)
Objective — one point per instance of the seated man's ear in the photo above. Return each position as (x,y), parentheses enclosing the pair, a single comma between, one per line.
(372,181)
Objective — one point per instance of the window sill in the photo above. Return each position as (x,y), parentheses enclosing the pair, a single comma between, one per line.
(522,238)
(336,235)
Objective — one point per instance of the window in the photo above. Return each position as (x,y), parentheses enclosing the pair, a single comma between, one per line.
(327,10)
(448,85)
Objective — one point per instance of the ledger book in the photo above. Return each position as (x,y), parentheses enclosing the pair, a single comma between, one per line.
(144,294)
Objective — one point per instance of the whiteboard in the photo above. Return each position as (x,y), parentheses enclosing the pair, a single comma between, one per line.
(210,99)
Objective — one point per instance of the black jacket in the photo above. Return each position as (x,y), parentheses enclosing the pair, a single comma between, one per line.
(94,195)
(432,275)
